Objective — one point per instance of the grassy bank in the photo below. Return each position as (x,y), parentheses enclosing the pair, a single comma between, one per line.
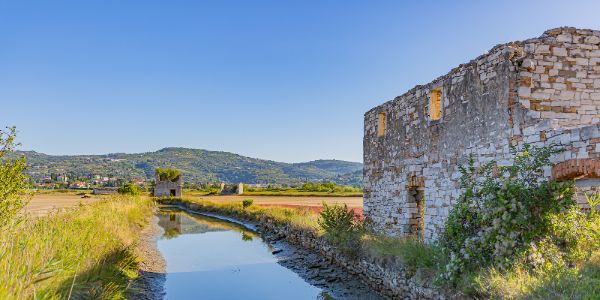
(82,253)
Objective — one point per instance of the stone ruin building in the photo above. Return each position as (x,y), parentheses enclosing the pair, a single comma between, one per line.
(228,189)
(167,188)
(542,91)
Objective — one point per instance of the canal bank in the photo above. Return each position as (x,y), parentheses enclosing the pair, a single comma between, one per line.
(384,274)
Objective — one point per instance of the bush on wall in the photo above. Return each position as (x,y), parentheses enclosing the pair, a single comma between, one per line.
(514,215)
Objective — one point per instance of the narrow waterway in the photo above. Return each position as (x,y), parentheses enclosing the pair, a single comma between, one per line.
(208,258)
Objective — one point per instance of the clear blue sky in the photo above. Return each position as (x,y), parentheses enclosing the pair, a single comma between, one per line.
(280,80)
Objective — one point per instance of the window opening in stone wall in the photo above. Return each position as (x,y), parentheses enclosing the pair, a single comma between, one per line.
(435,104)
(381,125)
(416,221)
(173,193)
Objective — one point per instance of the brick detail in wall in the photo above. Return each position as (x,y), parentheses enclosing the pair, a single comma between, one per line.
(577,168)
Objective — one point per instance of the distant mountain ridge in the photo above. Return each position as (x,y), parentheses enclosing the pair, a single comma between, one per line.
(196,165)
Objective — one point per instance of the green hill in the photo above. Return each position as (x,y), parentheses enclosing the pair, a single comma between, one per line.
(196,165)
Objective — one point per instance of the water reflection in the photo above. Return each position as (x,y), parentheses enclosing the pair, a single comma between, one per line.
(212,259)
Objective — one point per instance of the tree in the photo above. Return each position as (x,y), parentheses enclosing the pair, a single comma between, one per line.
(129,189)
(13,182)
(167,174)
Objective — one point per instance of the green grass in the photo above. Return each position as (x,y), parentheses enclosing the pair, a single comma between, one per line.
(413,253)
(83,253)
(580,282)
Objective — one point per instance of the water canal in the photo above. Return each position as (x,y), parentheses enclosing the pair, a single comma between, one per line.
(209,258)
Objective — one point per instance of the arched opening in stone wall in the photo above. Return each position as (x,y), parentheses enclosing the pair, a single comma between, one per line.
(416,206)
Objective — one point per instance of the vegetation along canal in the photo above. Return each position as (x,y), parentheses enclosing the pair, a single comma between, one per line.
(216,259)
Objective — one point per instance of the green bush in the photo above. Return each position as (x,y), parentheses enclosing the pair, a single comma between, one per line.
(247,202)
(167,174)
(515,215)
(129,189)
(13,182)
(342,227)
(328,187)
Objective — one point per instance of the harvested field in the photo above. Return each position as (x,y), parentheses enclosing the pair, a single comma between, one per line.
(43,203)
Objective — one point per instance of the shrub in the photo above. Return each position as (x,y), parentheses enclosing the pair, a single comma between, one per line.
(247,202)
(13,182)
(509,216)
(342,227)
(129,189)
(594,203)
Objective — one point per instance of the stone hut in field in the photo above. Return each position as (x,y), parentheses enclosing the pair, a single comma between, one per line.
(168,183)
(543,91)
(228,189)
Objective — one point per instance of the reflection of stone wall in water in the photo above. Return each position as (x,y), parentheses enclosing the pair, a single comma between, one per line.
(167,188)
(542,91)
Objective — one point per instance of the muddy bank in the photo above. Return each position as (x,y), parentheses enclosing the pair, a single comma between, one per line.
(152,266)
(386,275)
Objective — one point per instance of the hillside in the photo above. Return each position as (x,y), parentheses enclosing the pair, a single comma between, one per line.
(196,165)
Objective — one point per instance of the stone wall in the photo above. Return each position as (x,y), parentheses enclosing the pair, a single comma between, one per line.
(518,93)
(163,188)
(560,77)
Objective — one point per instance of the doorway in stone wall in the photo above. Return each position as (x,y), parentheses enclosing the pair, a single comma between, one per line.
(416,204)
(173,193)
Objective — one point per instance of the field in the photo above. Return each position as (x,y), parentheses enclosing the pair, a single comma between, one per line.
(312,202)
(296,193)
(44,202)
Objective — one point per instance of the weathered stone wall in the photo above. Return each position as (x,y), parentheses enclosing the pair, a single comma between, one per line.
(560,77)
(521,92)
(559,93)
(162,188)
(475,119)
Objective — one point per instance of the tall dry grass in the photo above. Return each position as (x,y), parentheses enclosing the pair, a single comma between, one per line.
(81,253)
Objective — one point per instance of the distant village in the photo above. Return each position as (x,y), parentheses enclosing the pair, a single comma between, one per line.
(71,181)
(57,180)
